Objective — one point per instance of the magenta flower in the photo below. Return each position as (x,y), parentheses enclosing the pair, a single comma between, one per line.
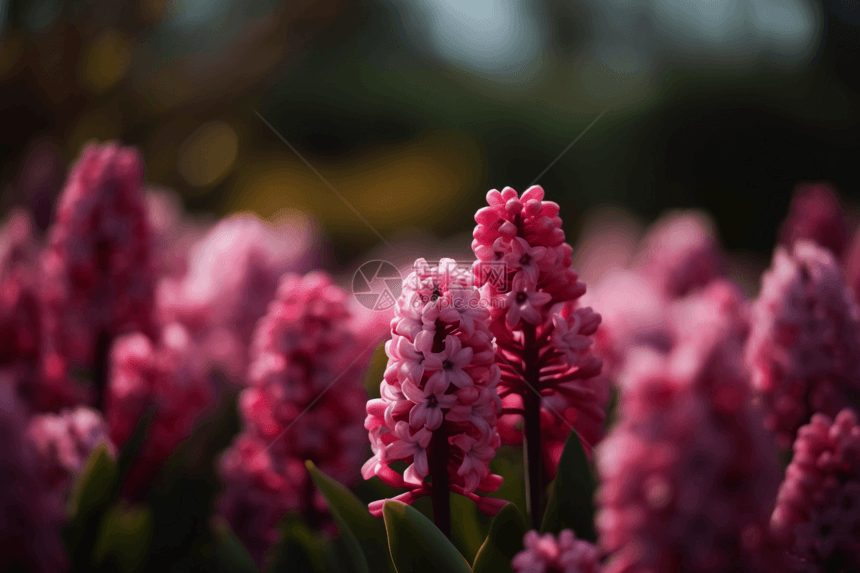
(687,474)
(816,215)
(30,522)
(680,253)
(439,405)
(542,333)
(171,377)
(98,270)
(305,402)
(20,311)
(803,349)
(175,233)
(233,274)
(63,444)
(546,554)
(818,507)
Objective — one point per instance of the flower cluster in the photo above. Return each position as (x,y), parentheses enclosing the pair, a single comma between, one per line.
(546,554)
(804,348)
(63,442)
(818,507)
(439,403)
(680,254)
(304,345)
(816,215)
(233,273)
(29,518)
(98,273)
(675,490)
(543,336)
(170,377)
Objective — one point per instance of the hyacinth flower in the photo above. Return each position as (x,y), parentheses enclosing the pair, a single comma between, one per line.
(818,507)
(687,475)
(543,337)
(803,349)
(233,273)
(439,402)
(548,554)
(63,443)
(306,373)
(97,270)
(816,215)
(169,375)
(680,253)
(29,521)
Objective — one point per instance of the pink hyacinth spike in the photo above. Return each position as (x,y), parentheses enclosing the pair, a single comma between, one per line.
(171,377)
(680,253)
(233,274)
(439,403)
(63,443)
(98,271)
(804,348)
(544,335)
(30,520)
(546,554)
(687,474)
(816,215)
(304,402)
(818,507)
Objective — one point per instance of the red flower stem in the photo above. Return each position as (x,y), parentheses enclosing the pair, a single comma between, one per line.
(439,491)
(531,430)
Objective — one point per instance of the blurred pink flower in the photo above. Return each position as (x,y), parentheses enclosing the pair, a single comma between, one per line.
(816,215)
(303,346)
(680,253)
(803,349)
(174,232)
(233,273)
(22,322)
(171,377)
(29,521)
(546,554)
(439,403)
(818,507)
(63,444)
(98,270)
(543,334)
(687,474)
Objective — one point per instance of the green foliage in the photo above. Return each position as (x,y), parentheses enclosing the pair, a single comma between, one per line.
(299,550)
(124,539)
(416,545)
(230,554)
(503,542)
(360,531)
(571,505)
(375,372)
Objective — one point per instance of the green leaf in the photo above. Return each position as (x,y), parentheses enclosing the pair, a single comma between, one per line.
(230,554)
(417,545)
(298,550)
(375,372)
(124,538)
(572,503)
(131,449)
(369,531)
(92,496)
(503,542)
(351,515)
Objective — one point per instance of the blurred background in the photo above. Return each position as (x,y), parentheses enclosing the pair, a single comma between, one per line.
(413,109)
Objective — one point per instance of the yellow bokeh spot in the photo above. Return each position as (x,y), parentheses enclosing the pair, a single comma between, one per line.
(392,187)
(105,62)
(208,154)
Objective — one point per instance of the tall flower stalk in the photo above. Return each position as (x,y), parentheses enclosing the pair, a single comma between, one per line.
(524,271)
(439,402)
